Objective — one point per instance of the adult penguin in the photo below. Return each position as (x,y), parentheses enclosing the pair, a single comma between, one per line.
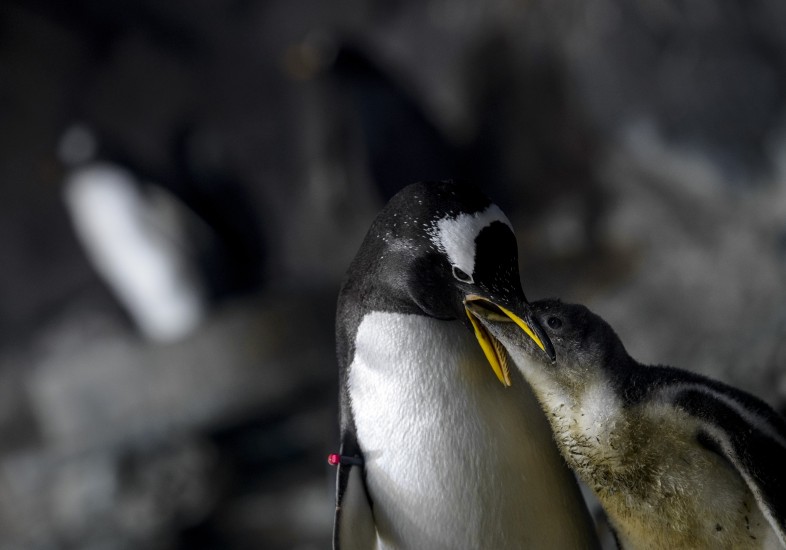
(435,453)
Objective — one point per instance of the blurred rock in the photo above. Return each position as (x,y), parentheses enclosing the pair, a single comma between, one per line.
(707,292)
(124,499)
(120,460)
(120,388)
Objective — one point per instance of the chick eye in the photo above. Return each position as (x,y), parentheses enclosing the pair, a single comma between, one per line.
(461,275)
(554,322)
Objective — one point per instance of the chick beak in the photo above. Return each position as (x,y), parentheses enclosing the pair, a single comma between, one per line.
(476,306)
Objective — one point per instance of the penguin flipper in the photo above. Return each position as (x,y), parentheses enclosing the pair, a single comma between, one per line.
(752,438)
(756,465)
(353,525)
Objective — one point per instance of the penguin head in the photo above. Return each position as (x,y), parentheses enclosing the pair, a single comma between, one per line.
(587,349)
(439,246)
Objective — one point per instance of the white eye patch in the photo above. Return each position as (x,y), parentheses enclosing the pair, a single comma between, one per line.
(455,237)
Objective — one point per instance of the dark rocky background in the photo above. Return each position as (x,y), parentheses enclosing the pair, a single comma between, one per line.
(639,149)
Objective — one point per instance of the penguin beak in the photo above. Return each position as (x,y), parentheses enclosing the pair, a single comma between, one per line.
(476,306)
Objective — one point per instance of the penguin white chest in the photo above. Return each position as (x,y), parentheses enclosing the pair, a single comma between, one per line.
(453,459)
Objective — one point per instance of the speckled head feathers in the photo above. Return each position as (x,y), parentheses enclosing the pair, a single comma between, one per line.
(429,245)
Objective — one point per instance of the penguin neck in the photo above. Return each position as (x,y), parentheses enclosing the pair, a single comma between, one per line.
(593,428)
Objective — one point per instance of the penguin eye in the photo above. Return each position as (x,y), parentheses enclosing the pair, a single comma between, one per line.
(461,275)
(554,322)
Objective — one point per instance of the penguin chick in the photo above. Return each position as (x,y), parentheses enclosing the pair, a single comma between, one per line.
(435,453)
(677,460)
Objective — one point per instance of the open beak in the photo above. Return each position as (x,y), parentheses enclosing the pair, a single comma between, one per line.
(475,306)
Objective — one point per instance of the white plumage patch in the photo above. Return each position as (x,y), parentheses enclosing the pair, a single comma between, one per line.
(600,408)
(453,459)
(456,236)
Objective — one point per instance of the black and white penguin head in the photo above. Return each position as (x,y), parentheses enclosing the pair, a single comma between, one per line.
(447,241)
(438,246)
(587,349)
